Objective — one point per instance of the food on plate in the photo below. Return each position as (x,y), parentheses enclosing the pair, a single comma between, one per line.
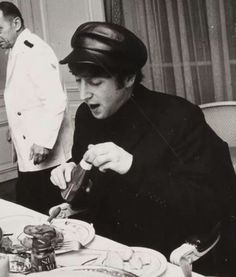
(19,263)
(44,233)
(6,245)
(136,262)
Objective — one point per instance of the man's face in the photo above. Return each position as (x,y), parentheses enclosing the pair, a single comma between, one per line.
(8,31)
(102,95)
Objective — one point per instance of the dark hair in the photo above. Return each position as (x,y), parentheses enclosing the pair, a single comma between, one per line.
(10,10)
(91,70)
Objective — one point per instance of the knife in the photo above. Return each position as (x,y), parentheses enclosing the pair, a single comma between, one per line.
(54,214)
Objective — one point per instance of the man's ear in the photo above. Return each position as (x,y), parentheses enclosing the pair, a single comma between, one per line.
(130,80)
(17,24)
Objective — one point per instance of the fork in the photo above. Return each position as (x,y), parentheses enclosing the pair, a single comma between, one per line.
(70,245)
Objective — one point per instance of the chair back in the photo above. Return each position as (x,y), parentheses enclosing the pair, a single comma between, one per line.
(221,116)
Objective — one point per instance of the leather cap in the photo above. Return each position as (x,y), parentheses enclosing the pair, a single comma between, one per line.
(108,45)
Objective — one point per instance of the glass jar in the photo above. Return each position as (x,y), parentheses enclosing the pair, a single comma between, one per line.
(80,182)
(42,256)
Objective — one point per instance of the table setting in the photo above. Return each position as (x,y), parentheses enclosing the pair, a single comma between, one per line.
(77,249)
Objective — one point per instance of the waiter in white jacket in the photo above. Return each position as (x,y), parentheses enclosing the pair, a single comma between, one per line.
(36,110)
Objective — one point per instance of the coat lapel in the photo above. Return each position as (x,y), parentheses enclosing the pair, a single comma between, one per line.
(10,67)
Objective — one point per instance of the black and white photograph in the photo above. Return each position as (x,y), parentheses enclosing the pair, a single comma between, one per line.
(118,138)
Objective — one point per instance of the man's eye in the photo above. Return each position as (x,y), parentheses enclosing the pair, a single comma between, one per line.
(95,82)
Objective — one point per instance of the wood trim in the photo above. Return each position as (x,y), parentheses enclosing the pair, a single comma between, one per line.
(3,117)
(3,123)
(8,172)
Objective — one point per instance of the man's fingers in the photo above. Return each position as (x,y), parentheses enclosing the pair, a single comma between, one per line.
(58,182)
(61,179)
(57,178)
(38,153)
(109,156)
(53,180)
(37,159)
(62,174)
(106,166)
(94,151)
(68,174)
(102,159)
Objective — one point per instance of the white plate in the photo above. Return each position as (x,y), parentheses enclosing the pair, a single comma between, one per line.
(91,271)
(74,230)
(142,262)
(15,225)
(78,272)
(156,267)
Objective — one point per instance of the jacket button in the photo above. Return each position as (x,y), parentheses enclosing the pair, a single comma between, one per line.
(24,137)
(19,113)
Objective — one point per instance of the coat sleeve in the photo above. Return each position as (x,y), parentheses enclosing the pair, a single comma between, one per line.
(44,74)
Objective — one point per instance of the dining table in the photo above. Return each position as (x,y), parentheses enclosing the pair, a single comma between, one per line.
(98,243)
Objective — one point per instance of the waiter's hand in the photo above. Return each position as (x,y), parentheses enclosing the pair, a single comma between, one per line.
(62,174)
(108,155)
(38,153)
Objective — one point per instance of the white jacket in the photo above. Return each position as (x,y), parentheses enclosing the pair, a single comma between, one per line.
(36,103)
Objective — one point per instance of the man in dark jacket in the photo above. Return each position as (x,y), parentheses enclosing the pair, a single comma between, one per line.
(160,173)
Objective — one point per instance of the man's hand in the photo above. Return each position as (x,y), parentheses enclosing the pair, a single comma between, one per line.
(62,174)
(38,153)
(108,155)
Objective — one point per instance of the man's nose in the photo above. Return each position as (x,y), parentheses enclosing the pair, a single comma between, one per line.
(85,92)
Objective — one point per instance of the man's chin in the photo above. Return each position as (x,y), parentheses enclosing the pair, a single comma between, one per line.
(97,114)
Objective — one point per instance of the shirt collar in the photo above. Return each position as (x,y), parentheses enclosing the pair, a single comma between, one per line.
(24,35)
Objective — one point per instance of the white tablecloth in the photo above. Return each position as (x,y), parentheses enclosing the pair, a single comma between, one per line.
(10,209)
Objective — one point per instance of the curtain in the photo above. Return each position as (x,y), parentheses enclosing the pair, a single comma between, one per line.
(191,45)
(114,11)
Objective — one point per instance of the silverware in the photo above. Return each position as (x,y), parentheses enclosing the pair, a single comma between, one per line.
(54,214)
(69,246)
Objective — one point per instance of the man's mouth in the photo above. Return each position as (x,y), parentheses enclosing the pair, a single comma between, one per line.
(93,106)
(2,44)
